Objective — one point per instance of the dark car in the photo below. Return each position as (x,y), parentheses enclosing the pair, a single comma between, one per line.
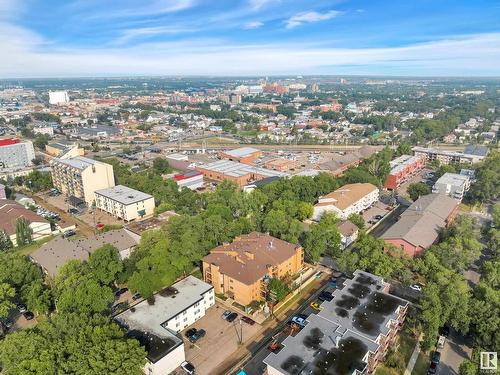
(432,369)
(444,330)
(197,335)
(436,357)
(190,332)
(28,315)
(73,211)
(21,307)
(68,233)
(120,291)
(136,296)
(248,320)
(8,323)
(379,217)
(231,317)
(119,307)
(325,296)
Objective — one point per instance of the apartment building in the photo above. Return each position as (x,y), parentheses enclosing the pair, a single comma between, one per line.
(125,203)
(350,335)
(239,269)
(471,155)
(402,169)
(420,225)
(349,199)
(16,154)
(80,177)
(452,184)
(156,326)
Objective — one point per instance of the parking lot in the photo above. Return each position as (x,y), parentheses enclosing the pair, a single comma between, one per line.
(221,340)
(374,214)
(419,177)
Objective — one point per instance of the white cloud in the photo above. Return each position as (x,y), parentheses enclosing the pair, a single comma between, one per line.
(27,55)
(308,17)
(130,34)
(253,25)
(258,4)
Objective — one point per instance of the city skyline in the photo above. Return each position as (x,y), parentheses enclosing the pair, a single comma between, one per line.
(251,37)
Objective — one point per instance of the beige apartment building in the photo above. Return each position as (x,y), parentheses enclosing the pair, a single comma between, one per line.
(125,203)
(239,269)
(80,177)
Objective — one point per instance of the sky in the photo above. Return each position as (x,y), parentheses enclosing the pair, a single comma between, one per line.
(86,38)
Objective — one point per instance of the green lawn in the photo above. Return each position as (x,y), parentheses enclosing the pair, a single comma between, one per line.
(382,370)
(422,364)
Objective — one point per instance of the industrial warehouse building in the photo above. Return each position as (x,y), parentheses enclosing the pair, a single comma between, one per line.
(245,155)
(240,174)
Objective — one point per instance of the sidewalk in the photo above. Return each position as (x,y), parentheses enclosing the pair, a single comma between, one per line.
(413,358)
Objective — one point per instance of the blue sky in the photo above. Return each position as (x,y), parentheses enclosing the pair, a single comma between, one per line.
(53,38)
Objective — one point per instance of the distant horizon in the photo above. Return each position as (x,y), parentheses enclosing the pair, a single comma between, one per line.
(116,38)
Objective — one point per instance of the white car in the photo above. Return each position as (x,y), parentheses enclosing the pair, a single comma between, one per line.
(188,367)
(299,321)
(416,287)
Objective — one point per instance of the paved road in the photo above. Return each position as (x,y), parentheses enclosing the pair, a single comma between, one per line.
(453,354)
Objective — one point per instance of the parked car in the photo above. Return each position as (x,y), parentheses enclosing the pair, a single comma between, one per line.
(136,296)
(274,346)
(318,275)
(119,307)
(440,342)
(325,296)
(231,317)
(315,306)
(436,357)
(197,335)
(21,307)
(416,287)
(432,369)
(379,217)
(225,314)
(120,291)
(99,225)
(73,211)
(333,282)
(444,330)
(68,233)
(303,316)
(248,320)
(188,367)
(28,315)
(8,323)
(299,321)
(190,332)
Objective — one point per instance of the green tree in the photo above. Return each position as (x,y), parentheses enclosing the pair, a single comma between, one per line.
(161,166)
(24,233)
(105,264)
(5,242)
(278,290)
(72,344)
(358,220)
(418,189)
(37,296)
(431,316)
(7,292)
(323,238)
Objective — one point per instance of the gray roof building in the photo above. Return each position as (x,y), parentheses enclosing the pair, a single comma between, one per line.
(339,339)
(123,194)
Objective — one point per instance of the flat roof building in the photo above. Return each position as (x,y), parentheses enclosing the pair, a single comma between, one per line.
(156,324)
(452,157)
(239,173)
(16,154)
(402,169)
(80,177)
(452,184)
(350,335)
(245,155)
(349,199)
(125,203)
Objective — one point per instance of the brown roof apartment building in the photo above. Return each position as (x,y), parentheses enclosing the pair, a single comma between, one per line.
(237,269)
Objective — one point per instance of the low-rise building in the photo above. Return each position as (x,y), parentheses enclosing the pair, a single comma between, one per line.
(348,233)
(16,154)
(125,203)
(245,155)
(63,150)
(80,177)
(420,225)
(190,179)
(281,164)
(10,211)
(239,173)
(471,155)
(350,335)
(452,184)
(349,199)
(54,254)
(402,169)
(156,324)
(48,130)
(239,269)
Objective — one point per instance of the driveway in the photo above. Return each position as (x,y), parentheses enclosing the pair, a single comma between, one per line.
(455,351)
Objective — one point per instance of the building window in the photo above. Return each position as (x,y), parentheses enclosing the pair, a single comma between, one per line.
(177,324)
(185,320)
